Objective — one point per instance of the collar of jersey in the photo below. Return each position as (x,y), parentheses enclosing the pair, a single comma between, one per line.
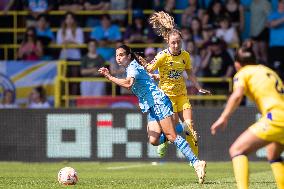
(174,54)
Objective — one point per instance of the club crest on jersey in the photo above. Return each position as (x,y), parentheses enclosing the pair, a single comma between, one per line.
(175,74)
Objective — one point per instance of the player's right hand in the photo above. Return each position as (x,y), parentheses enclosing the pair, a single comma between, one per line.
(221,123)
(104,71)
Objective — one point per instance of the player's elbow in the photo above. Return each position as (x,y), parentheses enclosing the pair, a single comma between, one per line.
(127,86)
(237,98)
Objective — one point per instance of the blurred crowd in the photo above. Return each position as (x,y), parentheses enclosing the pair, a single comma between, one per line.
(211,30)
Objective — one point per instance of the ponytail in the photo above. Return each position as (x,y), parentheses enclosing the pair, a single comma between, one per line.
(163,24)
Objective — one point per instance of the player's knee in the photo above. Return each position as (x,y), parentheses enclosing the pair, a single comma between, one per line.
(154,141)
(235,151)
(188,123)
(272,157)
(171,137)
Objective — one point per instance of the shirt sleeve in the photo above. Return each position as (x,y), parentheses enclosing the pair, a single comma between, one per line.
(116,33)
(96,33)
(79,36)
(132,72)
(187,60)
(240,81)
(156,62)
(59,38)
(271,17)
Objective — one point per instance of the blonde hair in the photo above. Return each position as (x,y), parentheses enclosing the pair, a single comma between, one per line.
(163,24)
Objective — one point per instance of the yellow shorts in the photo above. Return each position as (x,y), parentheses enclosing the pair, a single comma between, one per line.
(180,103)
(269,130)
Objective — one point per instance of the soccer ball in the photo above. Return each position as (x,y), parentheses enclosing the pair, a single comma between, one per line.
(67,176)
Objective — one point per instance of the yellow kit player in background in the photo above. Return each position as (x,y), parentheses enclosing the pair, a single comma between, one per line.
(171,63)
(266,89)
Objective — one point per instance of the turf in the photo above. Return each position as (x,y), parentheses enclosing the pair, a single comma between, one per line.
(130,175)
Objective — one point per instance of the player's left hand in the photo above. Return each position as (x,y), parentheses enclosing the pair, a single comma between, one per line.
(221,123)
(204,91)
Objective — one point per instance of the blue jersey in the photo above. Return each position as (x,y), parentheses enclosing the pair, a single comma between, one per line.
(144,87)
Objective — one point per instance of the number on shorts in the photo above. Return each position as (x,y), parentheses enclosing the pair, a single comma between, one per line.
(157,109)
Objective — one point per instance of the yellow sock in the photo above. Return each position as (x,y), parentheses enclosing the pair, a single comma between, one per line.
(240,165)
(278,171)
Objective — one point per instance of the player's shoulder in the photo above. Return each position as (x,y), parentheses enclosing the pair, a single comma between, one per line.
(185,53)
(250,71)
(162,54)
(243,73)
(132,65)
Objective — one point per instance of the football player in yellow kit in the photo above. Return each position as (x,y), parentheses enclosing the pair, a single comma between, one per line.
(171,63)
(265,88)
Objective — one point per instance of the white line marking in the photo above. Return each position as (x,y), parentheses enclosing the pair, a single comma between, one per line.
(126,167)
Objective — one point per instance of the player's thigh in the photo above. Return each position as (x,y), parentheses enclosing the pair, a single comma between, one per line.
(274,150)
(184,107)
(185,114)
(246,143)
(167,125)
(176,118)
(174,103)
(268,130)
(154,131)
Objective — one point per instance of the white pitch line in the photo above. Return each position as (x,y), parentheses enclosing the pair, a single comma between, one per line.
(125,167)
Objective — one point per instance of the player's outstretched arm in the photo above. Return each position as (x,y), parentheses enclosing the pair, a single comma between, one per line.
(144,63)
(193,79)
(126,83)
(232,103)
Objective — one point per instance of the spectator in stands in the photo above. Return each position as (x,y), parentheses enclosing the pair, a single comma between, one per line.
(216,11)
(150,54)
(186,34)
(37,98)
(139,31)
(276,44)
(207,34)
(205,19)
(195,60)
(193,10)
(31,48)
(70,5)
(44,35)
(43,30)
(196,28)
(36,7)
(70,34)
(260,9)
(169,5)
(235,12)
(8,100)
(217,63)
(93,5)
(228,33)
(106,34)
(119,5)
(90,65)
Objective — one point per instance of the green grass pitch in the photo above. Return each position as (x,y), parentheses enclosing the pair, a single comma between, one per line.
(130,175)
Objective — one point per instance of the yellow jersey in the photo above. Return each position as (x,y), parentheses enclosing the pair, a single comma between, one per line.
(171,68)
(263,86)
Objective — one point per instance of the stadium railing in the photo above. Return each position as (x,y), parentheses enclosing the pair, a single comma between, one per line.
(15,29)
(63,98)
